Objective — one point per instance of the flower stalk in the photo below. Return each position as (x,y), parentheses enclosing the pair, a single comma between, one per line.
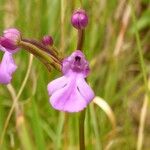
(80,39)
(47,59)
(43,47)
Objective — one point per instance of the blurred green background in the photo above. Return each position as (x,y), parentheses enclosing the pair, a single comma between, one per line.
(117,42)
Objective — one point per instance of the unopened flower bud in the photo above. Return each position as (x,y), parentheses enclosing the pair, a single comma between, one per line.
(47,40)
(10,39)
(79,19)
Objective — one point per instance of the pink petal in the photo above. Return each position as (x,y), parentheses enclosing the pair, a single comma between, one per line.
(68,98)
(2,48)
(56,84)
(75,103)
(85,90)
(7,68)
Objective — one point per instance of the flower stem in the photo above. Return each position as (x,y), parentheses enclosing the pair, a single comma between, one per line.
(45,58)
(80,39)
(48,50)
(81,130)
(63,7)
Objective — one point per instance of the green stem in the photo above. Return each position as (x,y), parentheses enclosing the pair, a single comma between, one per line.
(45,58)
(80,39)
(81,130)
(47,49)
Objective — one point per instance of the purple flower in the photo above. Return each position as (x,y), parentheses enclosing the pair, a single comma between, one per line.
(7,68)
(79,19)
(8,44)
(70,92)
(10,39)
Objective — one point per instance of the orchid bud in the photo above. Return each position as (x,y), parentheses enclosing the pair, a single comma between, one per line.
(47,40)
(10,39)
(79,19)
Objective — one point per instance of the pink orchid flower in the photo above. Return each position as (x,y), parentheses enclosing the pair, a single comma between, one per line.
(71,93)
(8,44)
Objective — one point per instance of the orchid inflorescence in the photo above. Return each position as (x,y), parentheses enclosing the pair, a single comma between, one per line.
(69,93)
